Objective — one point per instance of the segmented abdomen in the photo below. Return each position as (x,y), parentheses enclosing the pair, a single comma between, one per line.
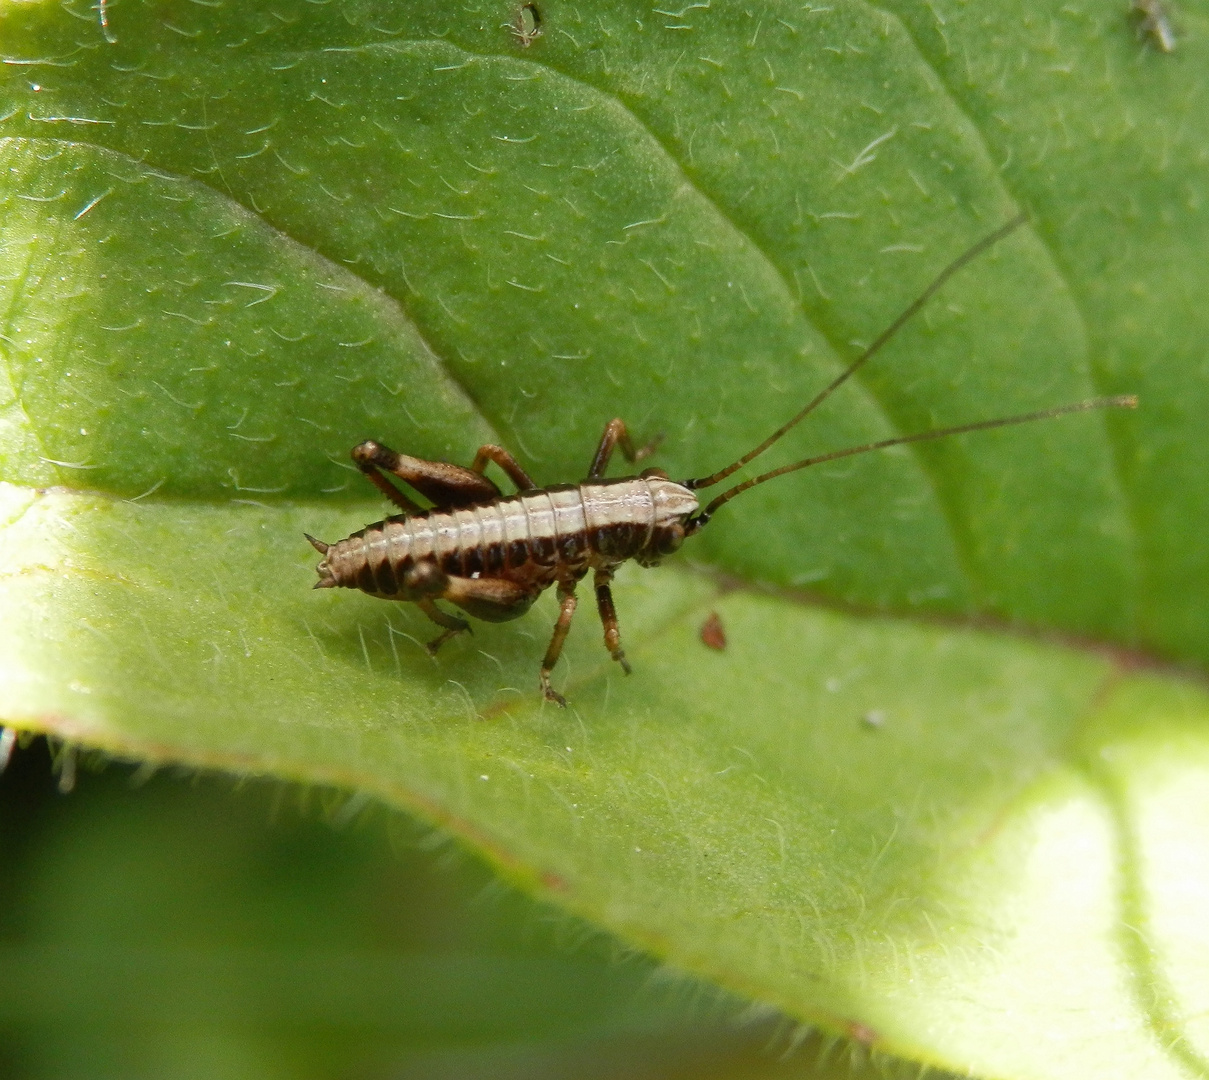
(557,528)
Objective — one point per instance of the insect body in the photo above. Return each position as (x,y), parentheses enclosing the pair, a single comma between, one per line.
(492,556)
(526,25)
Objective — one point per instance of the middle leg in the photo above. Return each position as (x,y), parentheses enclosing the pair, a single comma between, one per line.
(491,452)
(615,434)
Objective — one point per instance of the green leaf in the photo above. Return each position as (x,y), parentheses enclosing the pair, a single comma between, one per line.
(240,239)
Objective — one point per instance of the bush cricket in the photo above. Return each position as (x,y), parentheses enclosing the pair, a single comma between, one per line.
(492,555)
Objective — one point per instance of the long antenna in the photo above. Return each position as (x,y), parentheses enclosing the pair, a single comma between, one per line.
(1124,401)
(961,260)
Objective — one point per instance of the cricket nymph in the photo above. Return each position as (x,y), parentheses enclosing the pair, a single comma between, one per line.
(522,544)
(492,555)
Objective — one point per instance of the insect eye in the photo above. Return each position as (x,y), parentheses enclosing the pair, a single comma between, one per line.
(654,474)
(670,538)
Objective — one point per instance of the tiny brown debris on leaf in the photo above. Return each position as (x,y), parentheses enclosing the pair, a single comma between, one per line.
(712,633)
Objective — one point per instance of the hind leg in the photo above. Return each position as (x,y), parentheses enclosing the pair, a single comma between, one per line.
(446,485)
(489,599)
(452,624)
(428,581)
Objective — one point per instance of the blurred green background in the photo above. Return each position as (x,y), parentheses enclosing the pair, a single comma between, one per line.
(179,925)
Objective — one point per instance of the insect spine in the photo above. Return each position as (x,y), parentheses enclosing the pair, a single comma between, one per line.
(492,555)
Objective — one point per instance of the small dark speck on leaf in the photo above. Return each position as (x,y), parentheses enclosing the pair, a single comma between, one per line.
(712,633)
